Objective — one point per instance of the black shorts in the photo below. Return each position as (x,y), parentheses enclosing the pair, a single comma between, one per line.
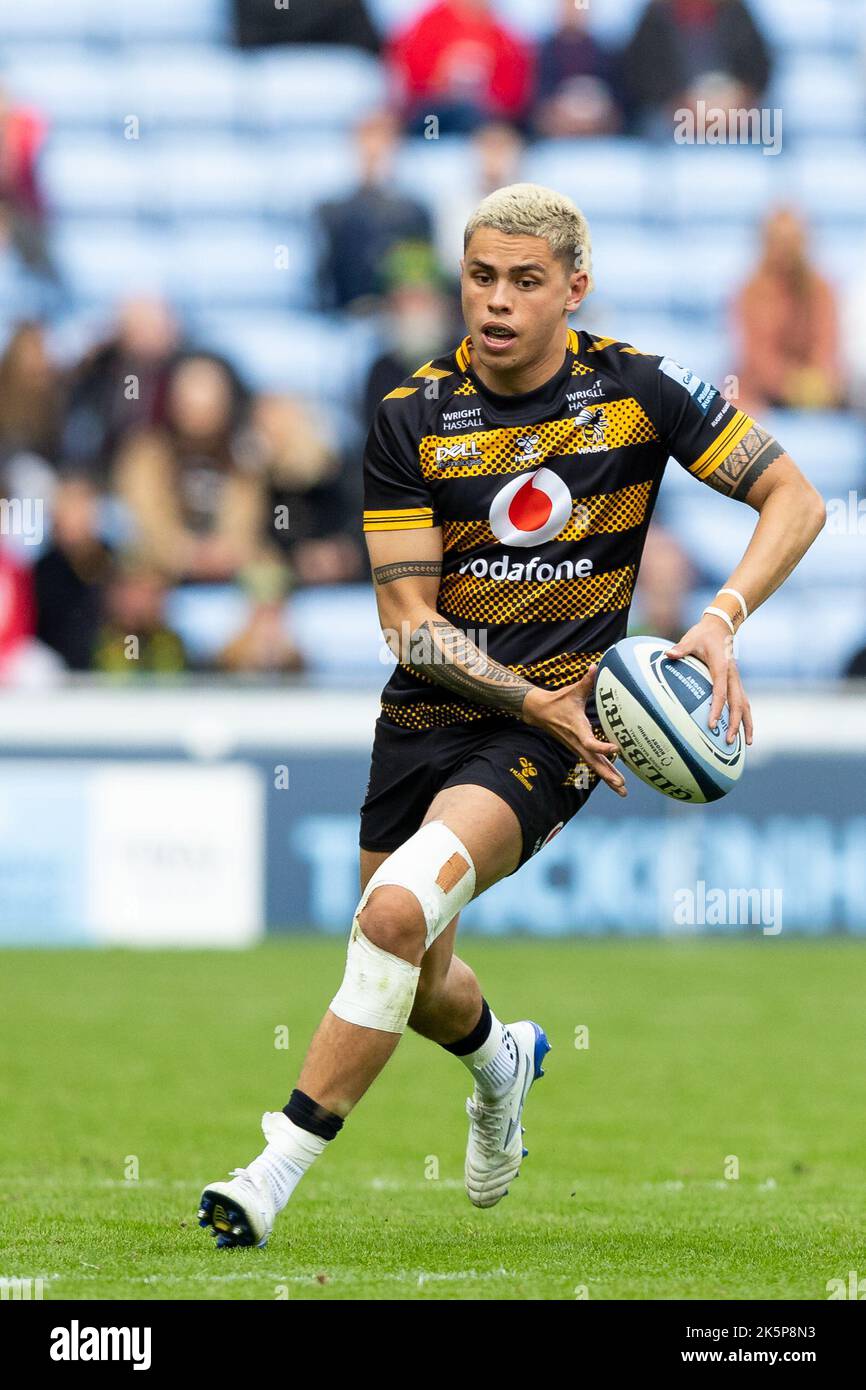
(539,777)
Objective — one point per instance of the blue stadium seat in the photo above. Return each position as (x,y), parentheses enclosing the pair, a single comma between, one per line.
(337,629)
(312,87)
(132,22)
(797,636)
(828,181)
(713,184)
(113,20)
(186,86)
(809,24)
(430,170)
(206,617)
(830,447)
(98,174)
(325,358)
(821,95)
(70,84)
(210,174)
(240,263)
(606,178)
(302,172)
(839,252)
(104,261)
(710,267)
(635,268)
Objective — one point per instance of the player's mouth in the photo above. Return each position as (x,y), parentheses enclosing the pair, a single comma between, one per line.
(498,336)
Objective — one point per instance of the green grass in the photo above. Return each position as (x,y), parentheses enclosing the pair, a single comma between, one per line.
(697,1051)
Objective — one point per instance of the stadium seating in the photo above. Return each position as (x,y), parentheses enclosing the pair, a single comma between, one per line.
(233,150)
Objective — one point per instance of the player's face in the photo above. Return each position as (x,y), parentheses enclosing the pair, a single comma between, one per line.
(516,294)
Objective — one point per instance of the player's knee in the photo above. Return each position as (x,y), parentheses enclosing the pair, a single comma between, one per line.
(392,919)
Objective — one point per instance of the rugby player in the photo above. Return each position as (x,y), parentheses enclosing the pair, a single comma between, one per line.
(509,486)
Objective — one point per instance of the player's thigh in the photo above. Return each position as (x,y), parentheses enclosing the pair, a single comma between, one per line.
(487,826)
(437,958)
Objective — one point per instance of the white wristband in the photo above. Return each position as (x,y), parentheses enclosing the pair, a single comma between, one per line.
(742,602)
(720,613)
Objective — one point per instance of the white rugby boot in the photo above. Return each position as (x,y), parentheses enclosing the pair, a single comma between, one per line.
(495,1149)
(243,1211)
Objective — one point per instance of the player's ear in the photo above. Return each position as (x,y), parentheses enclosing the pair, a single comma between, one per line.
(577,287)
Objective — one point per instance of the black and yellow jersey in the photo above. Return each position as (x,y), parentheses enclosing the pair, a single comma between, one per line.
(544,500)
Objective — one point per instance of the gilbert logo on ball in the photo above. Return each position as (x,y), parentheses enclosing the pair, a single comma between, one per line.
(657,712)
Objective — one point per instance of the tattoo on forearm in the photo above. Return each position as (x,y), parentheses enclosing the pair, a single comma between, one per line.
(445,654)
(745,464)
(401,569)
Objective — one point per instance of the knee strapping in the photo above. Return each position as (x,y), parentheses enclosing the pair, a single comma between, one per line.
(378,988)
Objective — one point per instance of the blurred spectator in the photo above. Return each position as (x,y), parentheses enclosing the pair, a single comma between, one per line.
(359,230)
(311,506)
(495,155)
(856,667)
(193,486)
(421,323)
(574,92)
(17,613)
(854,335)
(69,578)
(120,386)
(31,396)
(135,638)
(457,62)
(264,644)
(22,132)
(324,21)
(787,322)
(663,588)
(683,51)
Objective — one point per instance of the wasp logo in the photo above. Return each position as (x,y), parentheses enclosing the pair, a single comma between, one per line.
(591,422)
(525,772)
(446,453)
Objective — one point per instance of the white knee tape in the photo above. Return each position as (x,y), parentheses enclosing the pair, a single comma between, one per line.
(378,988)
(436,867)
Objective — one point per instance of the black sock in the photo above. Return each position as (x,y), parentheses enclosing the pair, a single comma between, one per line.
(479,1035)
(304,1112)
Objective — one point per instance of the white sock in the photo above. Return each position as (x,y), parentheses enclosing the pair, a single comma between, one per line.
(494,1065)
(285,1160)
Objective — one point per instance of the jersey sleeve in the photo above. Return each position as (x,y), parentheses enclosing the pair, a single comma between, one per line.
(396,495)
(698,425)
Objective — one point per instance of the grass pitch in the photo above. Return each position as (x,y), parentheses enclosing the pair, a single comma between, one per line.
(128,1080)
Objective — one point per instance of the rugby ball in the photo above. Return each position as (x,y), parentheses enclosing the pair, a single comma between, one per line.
(657,712)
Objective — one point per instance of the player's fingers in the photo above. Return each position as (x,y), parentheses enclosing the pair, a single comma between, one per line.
(747,721)
(607,772)
(720,691)
(736,703)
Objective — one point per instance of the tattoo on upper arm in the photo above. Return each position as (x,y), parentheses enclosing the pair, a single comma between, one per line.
(401,569)
(445,654)
(745,464)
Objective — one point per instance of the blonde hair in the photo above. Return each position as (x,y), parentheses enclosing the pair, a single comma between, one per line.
(528,209)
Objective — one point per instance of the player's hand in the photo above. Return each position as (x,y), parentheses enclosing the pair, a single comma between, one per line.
(562,713)
(711,642)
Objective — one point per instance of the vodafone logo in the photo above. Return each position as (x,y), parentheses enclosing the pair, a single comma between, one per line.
(532,508)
